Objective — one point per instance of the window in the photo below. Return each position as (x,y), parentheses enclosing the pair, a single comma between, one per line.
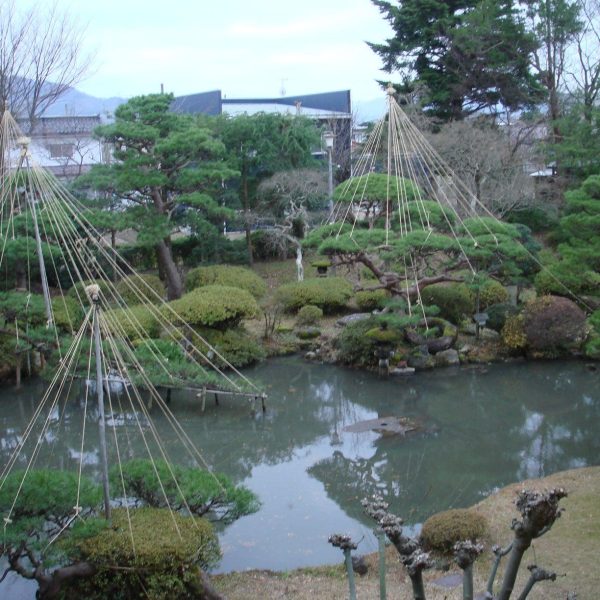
(61,150)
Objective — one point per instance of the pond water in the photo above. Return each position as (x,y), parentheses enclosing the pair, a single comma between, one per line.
(482,428)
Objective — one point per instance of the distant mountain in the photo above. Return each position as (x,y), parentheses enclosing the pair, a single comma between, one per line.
(76,103)
(369,110)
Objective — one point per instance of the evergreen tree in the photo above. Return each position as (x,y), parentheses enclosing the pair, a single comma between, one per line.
(469,55)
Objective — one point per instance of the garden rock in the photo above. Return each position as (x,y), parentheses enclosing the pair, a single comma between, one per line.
(446,358)
(352,319)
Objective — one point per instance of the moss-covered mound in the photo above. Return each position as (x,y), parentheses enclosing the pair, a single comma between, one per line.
(134,323)
(227,275)
(441,531)
(163,564)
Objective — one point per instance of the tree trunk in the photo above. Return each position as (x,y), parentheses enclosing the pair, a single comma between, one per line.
(169,269)
(50,585)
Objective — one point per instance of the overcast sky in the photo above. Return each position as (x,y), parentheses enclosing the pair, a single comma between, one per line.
(246,48)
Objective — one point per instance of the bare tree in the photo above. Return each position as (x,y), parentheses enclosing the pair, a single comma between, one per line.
(491,161)
(584,74)
(41,56)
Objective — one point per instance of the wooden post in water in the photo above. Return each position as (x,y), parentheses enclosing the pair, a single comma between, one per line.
(94,297)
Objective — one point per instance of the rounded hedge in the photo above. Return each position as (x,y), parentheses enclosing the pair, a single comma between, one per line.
(68,313)
(134,323)
(226,275)
(491,292)
(141,289)
(331,294)
(455,300)
(441,531)
(552,324)
(369,300)
(309,315)
(235,345)
(217,306)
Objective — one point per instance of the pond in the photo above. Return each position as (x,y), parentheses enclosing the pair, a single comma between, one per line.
(480,428)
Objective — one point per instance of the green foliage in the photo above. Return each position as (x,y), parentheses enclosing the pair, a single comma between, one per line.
(424,214)
(68,313)
(576,269)
(462,57)
(164,563)
(376,188)
(134,323)
(513,334)
(26,308)
(553,324)
(331,294)
(237,347)
(491,292)
(383,335)
(141,289)
(441,531)
(538,219)
(455,300)
(43,498)
(350,243)
(216,306)
(309,315)
(354,347)
(227,275)
(308,333)
(317,235)
(370,300)
(497,315)
(159,484)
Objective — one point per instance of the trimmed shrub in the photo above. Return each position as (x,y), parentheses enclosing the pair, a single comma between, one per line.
(226,275)
(217,306)
(134,323)
(309,315)
(491,292)
(497,315)
(455,300)
(369,300)
(68,313)
(441,531)
(141,289)
(331,294)
(565,277)
(552,324)
(169,549)
(236,346)
(512,334)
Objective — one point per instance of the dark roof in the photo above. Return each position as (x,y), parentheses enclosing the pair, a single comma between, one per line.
(62,125)
(333,101)
(207,103)
(211,103)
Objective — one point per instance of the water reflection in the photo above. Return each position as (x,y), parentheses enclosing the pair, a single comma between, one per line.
(482,428)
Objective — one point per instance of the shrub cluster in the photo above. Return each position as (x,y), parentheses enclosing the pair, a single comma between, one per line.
(498,313)
(441,531)
(141,289)
(491,292)
(354,347)
(217,306)
(331,294)
(226,275)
